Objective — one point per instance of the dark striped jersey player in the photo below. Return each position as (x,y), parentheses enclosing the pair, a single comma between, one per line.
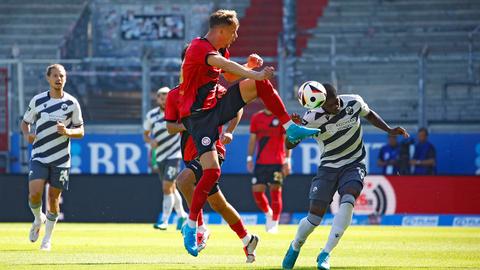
(341,169)
(57,117)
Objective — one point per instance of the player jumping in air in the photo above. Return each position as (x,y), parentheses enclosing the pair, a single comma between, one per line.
(187,179)
(57,117)
(272,164)
(341,167)
(202,113)
(167,150)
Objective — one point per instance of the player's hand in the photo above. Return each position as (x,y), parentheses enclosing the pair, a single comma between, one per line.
(296,118)
(226,137)
(399,131)
(62,130)
(30,137)
(254,61)
(286,169)
(153,144)
(250,166)
(265,74)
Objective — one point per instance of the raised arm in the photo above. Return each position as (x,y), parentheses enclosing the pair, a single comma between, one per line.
(238,70)
(254,61)
(378,122)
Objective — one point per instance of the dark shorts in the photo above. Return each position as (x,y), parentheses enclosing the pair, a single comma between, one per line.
(197,169)
(203,126)
(267,174)
(329,180)
(168,169)
(57,177)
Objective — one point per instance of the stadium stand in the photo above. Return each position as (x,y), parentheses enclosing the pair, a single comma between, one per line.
(386,32)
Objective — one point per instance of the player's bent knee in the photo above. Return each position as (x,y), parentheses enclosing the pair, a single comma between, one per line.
(353,188)
(314,219)
(318,207)
(348,198)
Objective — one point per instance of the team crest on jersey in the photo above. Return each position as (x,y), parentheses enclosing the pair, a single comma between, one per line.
(206,141)
(349,110)
(64,106)
(44,105)
(275,122)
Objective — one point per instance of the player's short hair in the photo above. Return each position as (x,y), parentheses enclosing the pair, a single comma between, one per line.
(331,91)
(223,17)
(163,90)
(54,66)
(423,129)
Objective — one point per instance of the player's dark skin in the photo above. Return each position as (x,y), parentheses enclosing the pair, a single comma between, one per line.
(332,106)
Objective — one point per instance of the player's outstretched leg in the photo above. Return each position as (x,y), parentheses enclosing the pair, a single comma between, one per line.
(264,90)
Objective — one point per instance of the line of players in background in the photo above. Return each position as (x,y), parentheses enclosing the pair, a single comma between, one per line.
(272,165)
(166,152)
(57,118)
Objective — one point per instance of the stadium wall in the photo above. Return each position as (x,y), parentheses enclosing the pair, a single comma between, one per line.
(398,200)
(457,154)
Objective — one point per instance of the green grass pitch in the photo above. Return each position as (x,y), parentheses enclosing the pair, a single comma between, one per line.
(139,246)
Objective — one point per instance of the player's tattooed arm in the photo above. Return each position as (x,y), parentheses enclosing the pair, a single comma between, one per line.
(234,68)
(378,122)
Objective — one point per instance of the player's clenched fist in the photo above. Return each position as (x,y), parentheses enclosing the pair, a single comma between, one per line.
(61,129)
(254,61)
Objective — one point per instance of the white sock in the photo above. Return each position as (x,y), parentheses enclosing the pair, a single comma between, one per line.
(49,226)
(36,211)
(341,221)
(168,200)
(178,205)
(246,239)
(191,223)
(305,228)
(287,124)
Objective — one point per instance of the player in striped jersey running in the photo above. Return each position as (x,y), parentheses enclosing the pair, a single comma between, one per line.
(57,117)
(341,167)
(167,151)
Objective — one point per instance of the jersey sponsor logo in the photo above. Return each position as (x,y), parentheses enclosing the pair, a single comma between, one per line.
(56,117)
(377,197)
(206,141)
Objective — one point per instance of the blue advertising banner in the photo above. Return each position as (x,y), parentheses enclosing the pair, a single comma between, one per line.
(457,154)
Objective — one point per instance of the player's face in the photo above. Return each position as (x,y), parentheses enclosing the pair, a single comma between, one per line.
(392,140)
(57,79)
(422,136)
(332,105)
(230,34)
(162,100)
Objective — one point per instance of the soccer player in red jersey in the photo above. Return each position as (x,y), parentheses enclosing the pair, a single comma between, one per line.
(202,113)
(272,164)
(187,179)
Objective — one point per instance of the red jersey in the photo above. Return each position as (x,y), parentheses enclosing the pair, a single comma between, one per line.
(172,114)
(199,80)
(270,138)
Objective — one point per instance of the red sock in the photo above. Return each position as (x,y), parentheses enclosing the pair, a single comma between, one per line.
(200,195)
(262,201)
(239,229)
(277,203)
(200,218)
(272,101)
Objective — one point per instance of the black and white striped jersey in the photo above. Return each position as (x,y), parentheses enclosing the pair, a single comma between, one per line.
(49,146)
(340,138)
(168,145)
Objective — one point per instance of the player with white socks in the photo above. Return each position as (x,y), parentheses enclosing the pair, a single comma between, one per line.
(341,168)
(57,118)
(167,154)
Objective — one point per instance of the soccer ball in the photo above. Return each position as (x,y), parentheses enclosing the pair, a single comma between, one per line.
(312,94)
